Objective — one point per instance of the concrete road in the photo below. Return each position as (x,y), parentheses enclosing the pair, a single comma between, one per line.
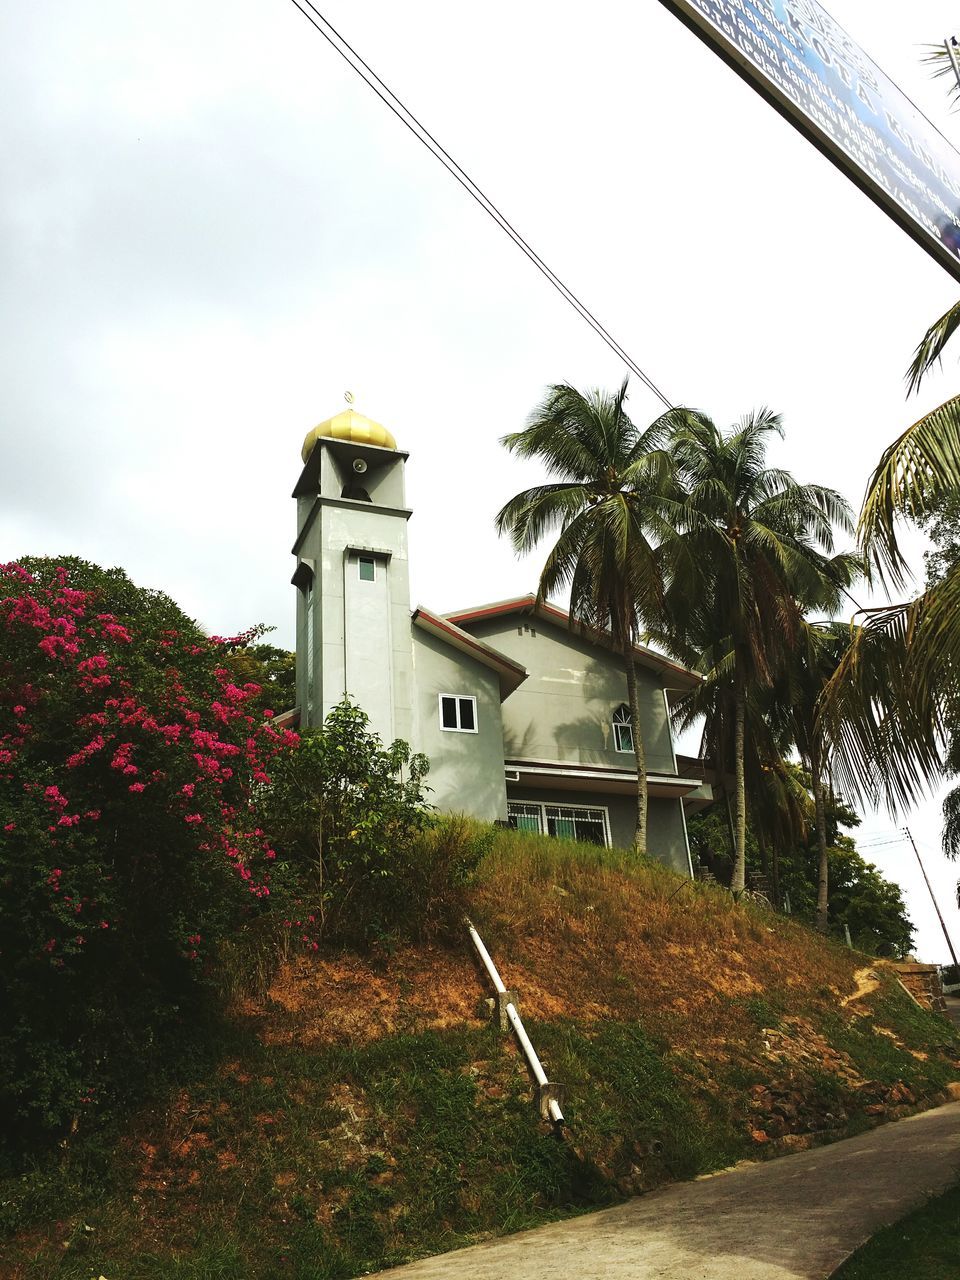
(794,1218)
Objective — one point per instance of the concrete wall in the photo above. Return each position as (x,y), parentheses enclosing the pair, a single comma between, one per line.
(564,709)
(666,839)
(466,769)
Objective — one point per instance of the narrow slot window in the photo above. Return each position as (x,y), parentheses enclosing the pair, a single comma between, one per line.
(622,729)
(367,568)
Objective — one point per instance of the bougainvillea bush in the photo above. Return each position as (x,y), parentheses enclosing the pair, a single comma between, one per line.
(130,768)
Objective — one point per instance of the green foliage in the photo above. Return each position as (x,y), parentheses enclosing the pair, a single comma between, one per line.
(871,906)
(362,858)
(860,897)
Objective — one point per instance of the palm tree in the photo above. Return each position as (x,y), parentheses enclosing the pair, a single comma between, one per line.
(607,478)
(814,662)
(750,552)
(896,692)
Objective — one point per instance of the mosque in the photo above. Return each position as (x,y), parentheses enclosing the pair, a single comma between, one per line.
(523,717)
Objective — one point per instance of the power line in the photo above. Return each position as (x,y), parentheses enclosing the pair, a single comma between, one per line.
(424,136)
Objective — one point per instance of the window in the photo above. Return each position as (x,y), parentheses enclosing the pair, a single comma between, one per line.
(367,568)
(309,607)
(524,817)
(571,822)
(622,729)
(564,821)
(458,712)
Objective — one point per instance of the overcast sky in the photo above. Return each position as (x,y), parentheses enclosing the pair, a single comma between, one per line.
(210,229)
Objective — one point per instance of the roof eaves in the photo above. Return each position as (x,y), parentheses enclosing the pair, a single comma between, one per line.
(511,673)
(553,613)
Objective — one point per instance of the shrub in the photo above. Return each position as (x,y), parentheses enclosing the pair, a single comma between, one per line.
(129,764)
(361,856)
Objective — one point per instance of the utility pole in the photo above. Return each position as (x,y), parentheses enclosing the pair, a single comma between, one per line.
(936,906)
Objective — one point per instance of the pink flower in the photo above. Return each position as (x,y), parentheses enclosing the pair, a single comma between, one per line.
(94,663)
(192,818)
(136,786)
(11,826)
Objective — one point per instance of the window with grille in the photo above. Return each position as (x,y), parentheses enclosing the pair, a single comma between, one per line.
(564,821)
(525,817)
(570,822)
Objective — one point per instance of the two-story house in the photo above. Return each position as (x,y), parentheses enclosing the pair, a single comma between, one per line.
(524,717)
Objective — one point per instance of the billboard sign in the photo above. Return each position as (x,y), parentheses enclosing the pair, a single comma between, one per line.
(809,68)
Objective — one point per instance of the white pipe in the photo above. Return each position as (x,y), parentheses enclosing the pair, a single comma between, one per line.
(535,1065)
(487,959)
(556,1115)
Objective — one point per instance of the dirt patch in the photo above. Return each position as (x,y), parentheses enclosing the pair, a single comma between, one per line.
(866,981)
(329,1000)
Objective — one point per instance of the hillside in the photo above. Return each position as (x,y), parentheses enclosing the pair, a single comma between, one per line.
(362,1111)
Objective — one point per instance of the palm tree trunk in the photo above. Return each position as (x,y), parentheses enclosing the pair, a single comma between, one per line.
(823,874)
(639,752)
(775,874)
(738,879)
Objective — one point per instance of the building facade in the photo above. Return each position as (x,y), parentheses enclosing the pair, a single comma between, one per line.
(523,717)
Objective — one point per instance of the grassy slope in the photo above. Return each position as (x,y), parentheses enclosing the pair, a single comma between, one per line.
(365,1113)
(924,1246)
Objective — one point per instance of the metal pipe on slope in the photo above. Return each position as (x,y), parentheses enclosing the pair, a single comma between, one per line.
(546,1090)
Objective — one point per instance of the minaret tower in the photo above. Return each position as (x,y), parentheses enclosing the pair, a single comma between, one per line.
(353,593)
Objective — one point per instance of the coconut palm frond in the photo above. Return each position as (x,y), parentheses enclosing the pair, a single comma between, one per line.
(534,512)
(951,823)
(885,721)
(931,346)
(916,471)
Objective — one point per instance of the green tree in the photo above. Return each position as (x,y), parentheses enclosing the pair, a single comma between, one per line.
(361,856)
(895,694)
(810,668)
(749,553)
(942,526)
(871,906)
(607,495)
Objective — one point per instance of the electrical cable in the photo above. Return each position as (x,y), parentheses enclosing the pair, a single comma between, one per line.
(423,135)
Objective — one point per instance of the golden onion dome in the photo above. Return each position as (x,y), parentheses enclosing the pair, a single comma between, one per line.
(352,426)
